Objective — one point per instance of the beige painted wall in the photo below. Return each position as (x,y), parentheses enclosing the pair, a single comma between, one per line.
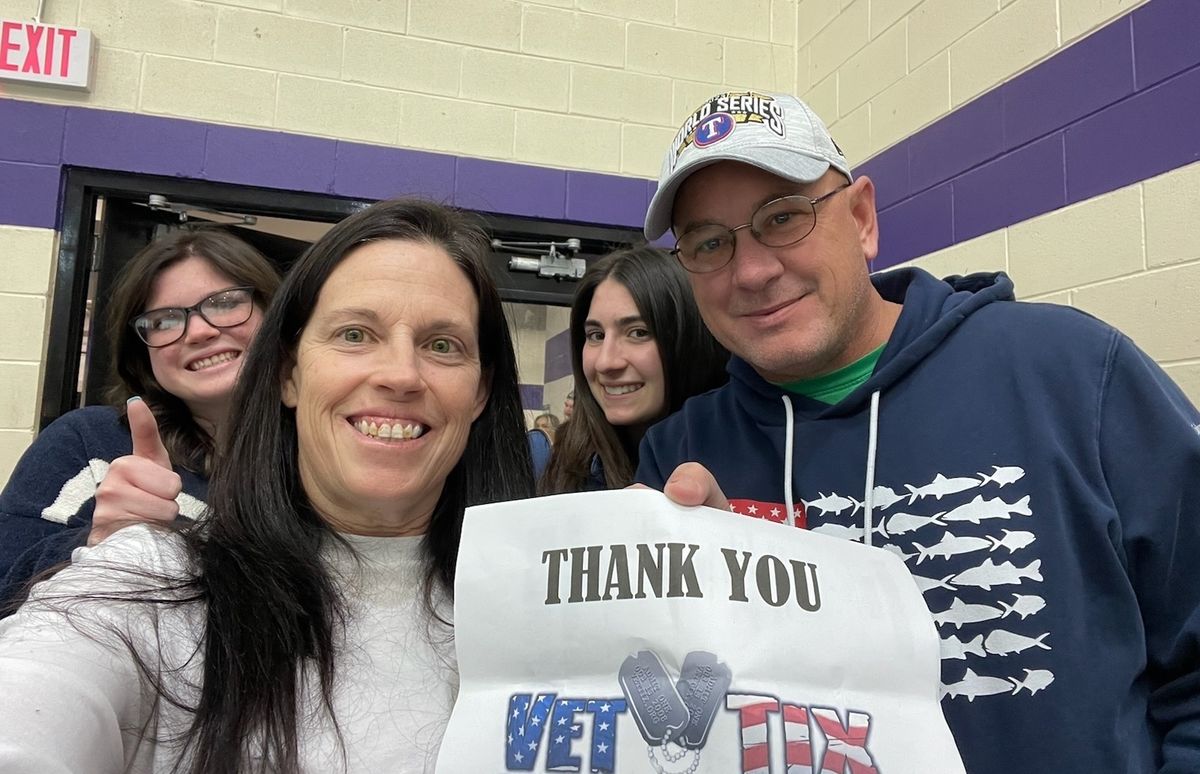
(879,70)
(26,273)
(580,84)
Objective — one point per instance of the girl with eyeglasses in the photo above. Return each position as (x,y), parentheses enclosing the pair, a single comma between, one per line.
(638,350)
(182,314)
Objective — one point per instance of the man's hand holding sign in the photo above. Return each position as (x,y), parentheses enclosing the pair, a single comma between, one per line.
(693,484)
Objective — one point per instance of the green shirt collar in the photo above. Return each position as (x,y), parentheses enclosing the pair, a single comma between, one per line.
(832,387)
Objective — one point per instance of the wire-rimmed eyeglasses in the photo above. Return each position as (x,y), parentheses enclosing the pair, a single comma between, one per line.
(224,309)
(780,222)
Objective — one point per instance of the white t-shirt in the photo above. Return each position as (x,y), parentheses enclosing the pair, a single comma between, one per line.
(72,698)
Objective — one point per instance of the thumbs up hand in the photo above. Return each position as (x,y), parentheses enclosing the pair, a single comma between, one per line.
(140,486)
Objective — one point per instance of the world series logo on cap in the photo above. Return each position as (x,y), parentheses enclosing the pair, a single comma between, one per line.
(720,116)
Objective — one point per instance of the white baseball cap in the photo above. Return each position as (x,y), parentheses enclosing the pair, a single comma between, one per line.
(774,132)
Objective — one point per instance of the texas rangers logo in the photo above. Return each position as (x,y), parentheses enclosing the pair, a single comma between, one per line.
(714,129)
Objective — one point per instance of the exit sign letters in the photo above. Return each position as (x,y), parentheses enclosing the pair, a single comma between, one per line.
(34,52)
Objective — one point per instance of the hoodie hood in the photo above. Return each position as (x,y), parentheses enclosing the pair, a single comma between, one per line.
(932,310)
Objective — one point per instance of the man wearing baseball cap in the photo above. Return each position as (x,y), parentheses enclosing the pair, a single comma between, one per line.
(1037,472)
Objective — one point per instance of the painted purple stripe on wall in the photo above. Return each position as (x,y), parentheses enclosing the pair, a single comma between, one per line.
(1084,77)
(558,356)
(919,225)
(964,139)
(134,143)
(54,136)
(32,198)
(268,159)
(32,133)
(1023,176)
(1166,38)
(373,172)
(1152,132)
(1119,106)
(532,396)
(31,137)
(515,189)
(613,199)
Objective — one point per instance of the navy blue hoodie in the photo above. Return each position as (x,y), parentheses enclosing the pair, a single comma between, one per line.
(1040,476)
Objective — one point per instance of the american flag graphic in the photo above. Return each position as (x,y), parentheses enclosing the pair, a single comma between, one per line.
(799,756)
(847,748)
(761,509)
(527,720)
(752,718)
(552,725)
(845,743)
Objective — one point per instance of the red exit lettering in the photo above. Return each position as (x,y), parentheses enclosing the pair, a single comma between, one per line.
(39,49)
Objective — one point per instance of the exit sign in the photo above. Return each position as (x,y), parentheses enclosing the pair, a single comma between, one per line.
(45,53)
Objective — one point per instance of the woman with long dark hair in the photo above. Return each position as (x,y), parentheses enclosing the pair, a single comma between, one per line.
(302,624)
(181,315)
(638,350)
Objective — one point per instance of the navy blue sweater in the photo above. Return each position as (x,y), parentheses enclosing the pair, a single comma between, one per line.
(46,509)
(1040,476)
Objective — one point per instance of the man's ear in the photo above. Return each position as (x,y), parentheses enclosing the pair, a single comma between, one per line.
(866,220)
(288,392)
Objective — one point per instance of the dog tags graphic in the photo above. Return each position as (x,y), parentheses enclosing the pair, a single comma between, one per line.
(653,700)
(702,684)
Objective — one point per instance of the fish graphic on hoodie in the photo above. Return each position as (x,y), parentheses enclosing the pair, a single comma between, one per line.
(1039,476)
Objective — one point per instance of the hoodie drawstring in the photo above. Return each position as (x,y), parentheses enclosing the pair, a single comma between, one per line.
(869,495)
(787,462)
(872,444)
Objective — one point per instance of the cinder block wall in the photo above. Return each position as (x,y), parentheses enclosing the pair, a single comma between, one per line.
(1130,257)
(25,271)
(581,84)
(881,70)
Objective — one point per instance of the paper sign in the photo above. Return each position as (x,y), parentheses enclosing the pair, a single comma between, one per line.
(618,632)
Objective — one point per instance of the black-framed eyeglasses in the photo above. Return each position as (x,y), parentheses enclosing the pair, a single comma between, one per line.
(780,222)
(223,309)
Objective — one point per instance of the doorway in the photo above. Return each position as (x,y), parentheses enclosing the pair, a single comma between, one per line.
(108,217)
